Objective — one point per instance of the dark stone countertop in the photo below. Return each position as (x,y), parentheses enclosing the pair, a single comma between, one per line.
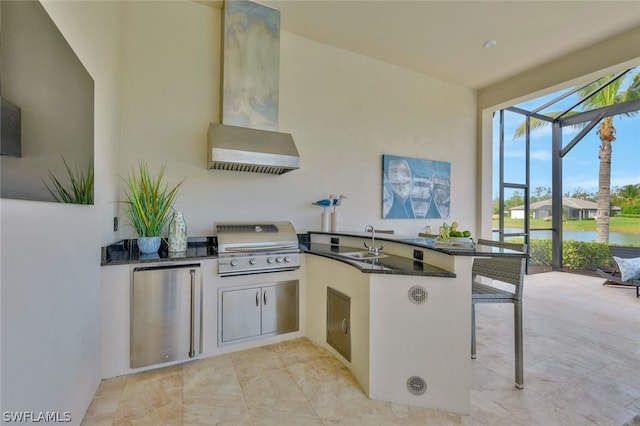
(393,265)
(476,250)
(126,252)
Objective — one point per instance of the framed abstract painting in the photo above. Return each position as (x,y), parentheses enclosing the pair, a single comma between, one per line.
(415,188)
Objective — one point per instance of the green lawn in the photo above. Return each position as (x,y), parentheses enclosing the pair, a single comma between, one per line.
(625,225)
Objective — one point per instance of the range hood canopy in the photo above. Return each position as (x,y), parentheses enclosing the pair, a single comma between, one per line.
(251,150)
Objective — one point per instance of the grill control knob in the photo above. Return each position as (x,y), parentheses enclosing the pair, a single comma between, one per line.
(279,259)
(233,263)
(287,259)
(270,260)
(252,261)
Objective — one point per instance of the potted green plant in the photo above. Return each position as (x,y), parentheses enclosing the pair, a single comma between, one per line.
(77,190)
(149,202)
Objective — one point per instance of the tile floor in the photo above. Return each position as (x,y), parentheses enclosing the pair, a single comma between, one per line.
(582,367)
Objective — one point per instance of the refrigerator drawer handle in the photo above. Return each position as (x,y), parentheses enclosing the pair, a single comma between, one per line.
(192,352)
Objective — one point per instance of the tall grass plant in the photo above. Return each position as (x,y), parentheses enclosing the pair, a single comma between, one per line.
(149,200)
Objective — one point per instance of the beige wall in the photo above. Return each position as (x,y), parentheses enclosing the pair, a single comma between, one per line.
(344,111)
(50,253)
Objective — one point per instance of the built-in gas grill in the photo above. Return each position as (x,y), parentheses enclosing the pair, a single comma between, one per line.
(251,248)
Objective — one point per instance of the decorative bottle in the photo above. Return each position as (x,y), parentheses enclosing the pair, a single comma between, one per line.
(177,233)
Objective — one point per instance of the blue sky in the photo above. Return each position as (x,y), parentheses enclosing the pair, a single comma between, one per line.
(580,165)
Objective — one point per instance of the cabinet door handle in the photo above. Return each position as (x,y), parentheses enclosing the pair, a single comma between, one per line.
(345,326)
(258,298)
(264,297)
(192,352)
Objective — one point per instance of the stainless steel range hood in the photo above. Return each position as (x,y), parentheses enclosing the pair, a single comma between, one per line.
(251,150)
(247,139)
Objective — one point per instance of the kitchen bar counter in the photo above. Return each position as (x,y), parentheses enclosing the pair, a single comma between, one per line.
(391,264)
(409,315)
(126,252)
(475,250)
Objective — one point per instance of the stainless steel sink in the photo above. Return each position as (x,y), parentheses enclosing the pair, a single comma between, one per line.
(361,255)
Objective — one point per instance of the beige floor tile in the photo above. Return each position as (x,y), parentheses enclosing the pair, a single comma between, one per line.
(103,405)
(203,413)
(107,397)
(98,420)
(299,350)
(484,408)
(589,402)
(152,397)
(407,415)
(255,362)
(212,381)
(336,396)
(286,412)
(271,386)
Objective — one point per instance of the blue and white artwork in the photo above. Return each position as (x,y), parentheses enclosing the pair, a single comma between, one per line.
(251,43)
(415,188)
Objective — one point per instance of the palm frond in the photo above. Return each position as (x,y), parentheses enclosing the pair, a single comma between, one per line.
(536,123)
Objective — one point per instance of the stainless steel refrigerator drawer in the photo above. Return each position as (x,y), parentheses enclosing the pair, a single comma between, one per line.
(166,314)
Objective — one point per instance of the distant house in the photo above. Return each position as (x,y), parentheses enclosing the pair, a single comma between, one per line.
(572,208)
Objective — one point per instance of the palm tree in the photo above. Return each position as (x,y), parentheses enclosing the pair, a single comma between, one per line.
(611,94)
(629,194)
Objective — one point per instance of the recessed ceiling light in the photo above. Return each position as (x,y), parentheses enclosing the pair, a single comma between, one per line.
(489,44)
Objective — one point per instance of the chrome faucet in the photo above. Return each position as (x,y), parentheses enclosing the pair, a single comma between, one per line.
(372,248)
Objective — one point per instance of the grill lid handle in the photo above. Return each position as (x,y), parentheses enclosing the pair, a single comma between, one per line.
(255,248)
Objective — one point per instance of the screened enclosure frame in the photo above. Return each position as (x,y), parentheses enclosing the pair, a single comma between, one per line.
(587,120)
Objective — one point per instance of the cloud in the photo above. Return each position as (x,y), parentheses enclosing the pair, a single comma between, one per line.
(624,180)
(591,184)
(541,155)
(573,182)
(514,154)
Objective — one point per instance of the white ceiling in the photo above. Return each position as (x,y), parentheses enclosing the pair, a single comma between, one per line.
(444,39)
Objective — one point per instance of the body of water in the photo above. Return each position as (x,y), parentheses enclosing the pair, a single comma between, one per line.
(614,237)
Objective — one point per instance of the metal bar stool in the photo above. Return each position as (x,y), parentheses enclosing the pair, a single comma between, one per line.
(509,270)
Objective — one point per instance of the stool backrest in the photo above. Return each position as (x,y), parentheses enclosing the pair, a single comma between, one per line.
(509,270)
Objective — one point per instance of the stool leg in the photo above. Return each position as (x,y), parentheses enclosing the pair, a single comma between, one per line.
(517,319)
(473,330)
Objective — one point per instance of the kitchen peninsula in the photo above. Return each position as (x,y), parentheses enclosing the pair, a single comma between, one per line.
(409,315)
(405,334)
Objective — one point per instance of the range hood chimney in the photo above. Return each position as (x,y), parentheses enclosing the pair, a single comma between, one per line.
(248,140)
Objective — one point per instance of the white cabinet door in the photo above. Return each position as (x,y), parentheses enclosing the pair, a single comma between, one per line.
(241,313)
